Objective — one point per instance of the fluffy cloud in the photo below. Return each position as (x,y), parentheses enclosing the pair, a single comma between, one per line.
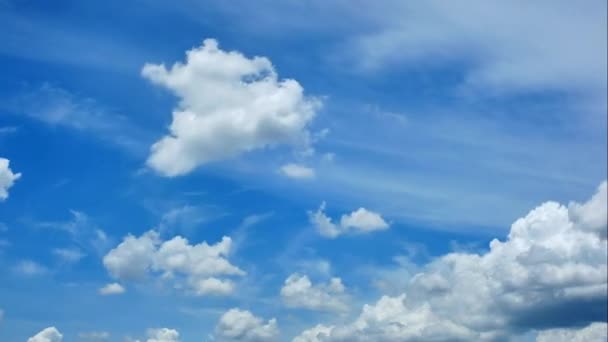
(553,263)
(200,264)
(50,334)
(229,104)
(163,335)
(112,289)
(359,221)
(315,334)
(297,171)
(7,178)
(299,292)
(595,332)
(242,325)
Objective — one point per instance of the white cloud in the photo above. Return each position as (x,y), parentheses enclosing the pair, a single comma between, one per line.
(200,264)
(94,336)
(69,255)
(242,325)
(7,178)
(595,332)
(317,333)
(297,171)
(163,335)
(229,104)
(299,292)
(359,221)
(112,289)
(543,50)
(50,334)
(552,264)
(30,268)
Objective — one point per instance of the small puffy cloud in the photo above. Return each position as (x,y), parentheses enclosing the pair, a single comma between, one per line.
(68,255)
(163,335)
(595,332)
(94,336)
(201,265)
(242,325)
(7,178)
(229,104)
(112,289)
(359,221)
(299,292)
(297,171)
(317,333)
(553,263)
(50,334)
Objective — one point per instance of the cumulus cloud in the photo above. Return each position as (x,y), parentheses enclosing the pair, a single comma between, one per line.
(7,178)
(595,332)
(299,292)
(551,265)
(112,289)
(359,221)
(50,334)
(317,333)
(229,104)
(242,325)
(200,264)
(163,335)
(297,171)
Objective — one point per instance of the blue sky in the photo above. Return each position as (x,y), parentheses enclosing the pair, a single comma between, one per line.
(346,154)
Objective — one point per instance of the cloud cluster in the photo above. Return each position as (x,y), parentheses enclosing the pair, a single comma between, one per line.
(200,265)
(228,104)
(299,292)
(242,325)
(359,221)
(50,334)
(553,263)
(7,178)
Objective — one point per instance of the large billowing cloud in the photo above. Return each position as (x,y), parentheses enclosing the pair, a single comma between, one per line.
(228,104)
(50,334)
(551,272)
(242,325)
(204,267)
(7,178)
(359,221)
(299,292)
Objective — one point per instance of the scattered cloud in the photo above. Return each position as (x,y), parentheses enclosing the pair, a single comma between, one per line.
(112,289)
(163,335)
(552,264)
(242,325)
(138,257)
(229,104)
(30,268)
(69,255)
(299,292)
(94,336)
(359,221)
(297,171)
(595,332)
(7,178)
(50,334)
